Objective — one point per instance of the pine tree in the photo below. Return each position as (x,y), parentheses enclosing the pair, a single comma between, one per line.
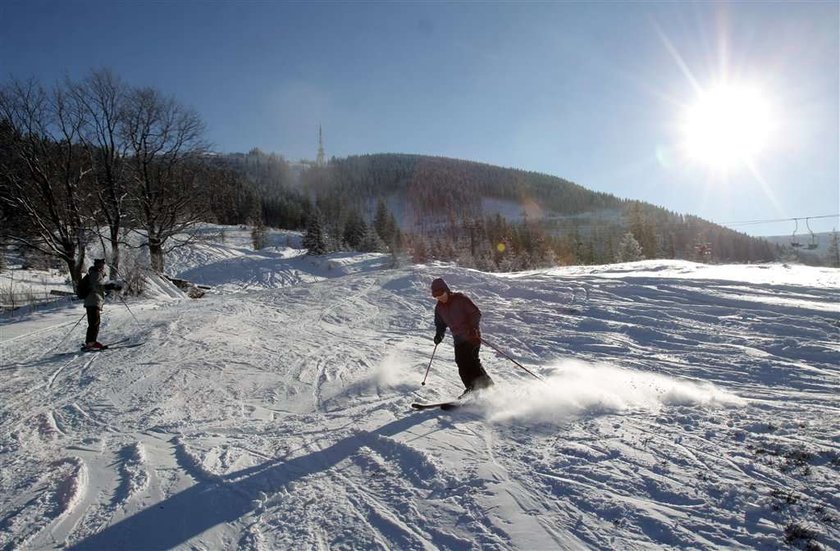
(833,256)
(395,245)
(315,238)
(419,250)
(643,229)
(258,236)
(629,249)
(371,242)
(384,223)
(355,230)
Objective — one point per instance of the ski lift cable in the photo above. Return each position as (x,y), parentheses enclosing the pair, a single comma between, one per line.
(567,223)
(806,218)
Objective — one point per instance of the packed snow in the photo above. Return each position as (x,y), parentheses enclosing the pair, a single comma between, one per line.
(674,405)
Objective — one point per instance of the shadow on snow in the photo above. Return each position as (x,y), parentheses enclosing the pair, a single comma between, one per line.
(185,515)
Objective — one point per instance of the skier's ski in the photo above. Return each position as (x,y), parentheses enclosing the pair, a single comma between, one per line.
(85,350)
(129,345)
(108,346)
(442,405)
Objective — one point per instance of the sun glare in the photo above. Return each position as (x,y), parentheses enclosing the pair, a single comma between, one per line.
(727,126)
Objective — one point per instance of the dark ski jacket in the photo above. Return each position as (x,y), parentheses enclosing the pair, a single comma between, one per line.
(460,315)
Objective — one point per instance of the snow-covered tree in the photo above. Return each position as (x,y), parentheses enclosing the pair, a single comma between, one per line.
(371,242)
(315,237)
(258,236)
(643,228)
(385,224)
(629,249)
(834,250)
(355,230)
(419,250)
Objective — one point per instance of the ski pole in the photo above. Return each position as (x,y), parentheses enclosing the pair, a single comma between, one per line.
(430,366)
(511,359)
(119,294)
(67,335)
(129,310)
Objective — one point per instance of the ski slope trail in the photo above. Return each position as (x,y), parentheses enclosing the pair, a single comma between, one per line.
(681,406)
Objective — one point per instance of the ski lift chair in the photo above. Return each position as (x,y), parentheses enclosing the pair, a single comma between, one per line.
(793,242)
(813,244)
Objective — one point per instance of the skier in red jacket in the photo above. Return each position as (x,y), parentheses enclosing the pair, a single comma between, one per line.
(456,311)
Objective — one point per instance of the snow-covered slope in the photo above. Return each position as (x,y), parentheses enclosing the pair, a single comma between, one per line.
(680,406)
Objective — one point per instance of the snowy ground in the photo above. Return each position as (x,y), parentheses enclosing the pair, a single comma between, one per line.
(681,406)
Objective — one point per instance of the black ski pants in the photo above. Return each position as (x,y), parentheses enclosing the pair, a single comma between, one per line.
(93,323)
(469,365)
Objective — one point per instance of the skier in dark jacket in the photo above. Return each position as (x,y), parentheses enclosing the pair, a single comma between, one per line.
(462,317)
(94,300)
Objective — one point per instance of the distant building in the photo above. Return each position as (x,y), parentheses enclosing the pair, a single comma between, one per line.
(320,160)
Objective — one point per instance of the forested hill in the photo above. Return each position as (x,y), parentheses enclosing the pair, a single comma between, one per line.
(464,210)
(437,185)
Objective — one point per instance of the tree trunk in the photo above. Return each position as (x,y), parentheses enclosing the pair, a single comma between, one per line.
(156,254)
(115,248)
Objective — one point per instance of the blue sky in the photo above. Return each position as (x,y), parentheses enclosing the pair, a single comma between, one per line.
(592,92)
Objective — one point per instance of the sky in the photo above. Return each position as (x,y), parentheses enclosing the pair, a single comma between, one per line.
(724,110)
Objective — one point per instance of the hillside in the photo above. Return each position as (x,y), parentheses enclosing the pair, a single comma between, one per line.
(682,406)
(449,200)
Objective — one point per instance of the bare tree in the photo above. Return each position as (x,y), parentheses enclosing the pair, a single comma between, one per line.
(165,144)
(45,171)
(5,219)
(101,97)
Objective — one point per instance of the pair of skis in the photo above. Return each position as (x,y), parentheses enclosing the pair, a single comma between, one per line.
(461,400)
(446,406)
(122,343)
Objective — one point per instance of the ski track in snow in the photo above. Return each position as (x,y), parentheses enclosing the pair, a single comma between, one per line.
(274,413)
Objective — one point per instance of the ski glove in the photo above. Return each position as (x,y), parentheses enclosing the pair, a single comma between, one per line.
(475,336)
(438,338)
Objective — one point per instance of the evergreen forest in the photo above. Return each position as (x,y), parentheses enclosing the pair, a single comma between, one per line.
(479,215)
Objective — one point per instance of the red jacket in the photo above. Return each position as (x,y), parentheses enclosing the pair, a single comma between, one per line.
(461,316)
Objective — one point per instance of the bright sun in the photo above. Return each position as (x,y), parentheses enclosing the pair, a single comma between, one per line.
(727,126)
